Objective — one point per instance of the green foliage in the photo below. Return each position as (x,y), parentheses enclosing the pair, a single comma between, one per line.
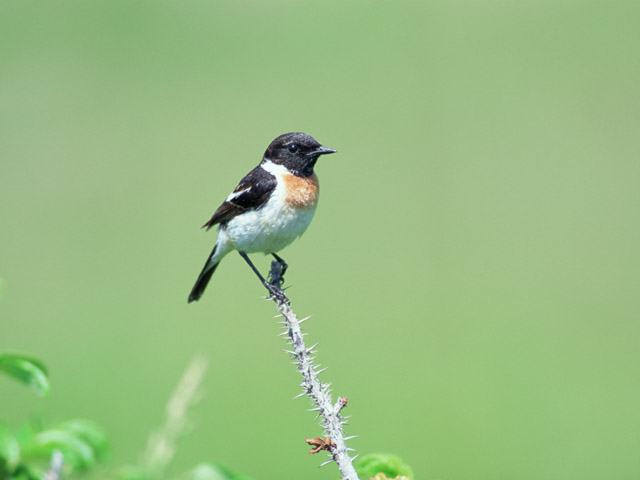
(202,471)
(90,433)
(370,465)
(9,451)
(81,442)
(75,451)
(26,452)
(212,471)
(27,370)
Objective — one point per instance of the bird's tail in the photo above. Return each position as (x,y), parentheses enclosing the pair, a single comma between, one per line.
(205,275)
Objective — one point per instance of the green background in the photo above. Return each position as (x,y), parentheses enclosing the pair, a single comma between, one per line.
(472,269)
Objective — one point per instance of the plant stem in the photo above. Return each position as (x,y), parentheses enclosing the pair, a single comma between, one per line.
(162,443)
(55,467)
(331,419)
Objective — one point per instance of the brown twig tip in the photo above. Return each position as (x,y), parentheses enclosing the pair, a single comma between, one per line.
(319,444)
(340,404)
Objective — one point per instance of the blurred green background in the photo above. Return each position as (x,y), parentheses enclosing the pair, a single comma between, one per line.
(472,269)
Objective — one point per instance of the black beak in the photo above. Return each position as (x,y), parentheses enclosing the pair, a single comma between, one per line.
(322,151)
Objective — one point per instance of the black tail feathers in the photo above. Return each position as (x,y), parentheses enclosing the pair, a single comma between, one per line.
(203,279)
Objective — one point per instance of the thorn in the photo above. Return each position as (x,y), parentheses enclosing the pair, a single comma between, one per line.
(318,372)
(279,315)
(304,319)
(349,438)
(354,457)
(349,449)
(311,348)
(314,409)
(290,352)
(325,463)
(286,332)
(300,395)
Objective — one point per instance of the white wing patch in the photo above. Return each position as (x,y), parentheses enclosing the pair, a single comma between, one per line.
(237,194)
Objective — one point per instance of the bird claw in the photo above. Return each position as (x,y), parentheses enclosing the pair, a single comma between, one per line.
(275,280)
(276,293)
(276,274)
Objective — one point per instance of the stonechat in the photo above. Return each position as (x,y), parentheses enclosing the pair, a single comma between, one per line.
(271,206)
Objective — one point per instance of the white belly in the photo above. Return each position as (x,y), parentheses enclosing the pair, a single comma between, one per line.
(269,229)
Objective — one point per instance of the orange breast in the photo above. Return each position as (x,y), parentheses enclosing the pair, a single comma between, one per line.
(301,192)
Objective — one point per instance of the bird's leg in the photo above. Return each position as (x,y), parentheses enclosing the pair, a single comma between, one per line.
(253,267)
(274,290)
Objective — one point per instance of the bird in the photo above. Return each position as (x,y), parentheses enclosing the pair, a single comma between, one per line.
(271,206)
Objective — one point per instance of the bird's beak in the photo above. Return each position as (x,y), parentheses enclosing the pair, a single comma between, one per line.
(322,151)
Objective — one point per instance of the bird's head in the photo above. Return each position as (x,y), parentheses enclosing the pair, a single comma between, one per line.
(298,152)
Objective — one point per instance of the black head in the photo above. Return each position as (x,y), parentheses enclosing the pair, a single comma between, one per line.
(296,151)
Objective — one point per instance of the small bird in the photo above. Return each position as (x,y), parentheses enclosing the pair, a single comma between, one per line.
(271,206)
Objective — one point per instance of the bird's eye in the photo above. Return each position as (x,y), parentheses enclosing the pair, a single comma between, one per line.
(293,148)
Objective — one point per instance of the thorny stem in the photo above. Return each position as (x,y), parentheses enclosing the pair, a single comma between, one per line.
(331,420)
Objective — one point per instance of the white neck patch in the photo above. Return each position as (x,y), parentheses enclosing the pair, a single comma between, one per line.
(274,168)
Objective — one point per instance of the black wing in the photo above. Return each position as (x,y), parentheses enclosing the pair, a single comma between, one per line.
(252,192)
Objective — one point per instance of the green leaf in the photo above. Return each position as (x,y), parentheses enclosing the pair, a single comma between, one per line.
(89,432)
(212,471)
(9,450)
(76,451)
(205,471)
(370,465)
(25,472)
(27,370)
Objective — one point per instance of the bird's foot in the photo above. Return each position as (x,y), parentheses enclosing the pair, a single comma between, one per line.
(276,274)
(276,293)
